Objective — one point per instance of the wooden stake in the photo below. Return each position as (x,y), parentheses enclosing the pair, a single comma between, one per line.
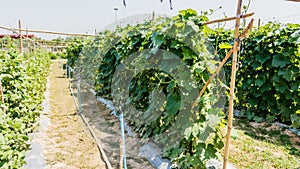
(228,19)
(28,46)
(245,32)
(243,35)
(1,93)
(153,16)
(20,36)
(78,34)
(34,49)
(258,24)
(213,76)
(232,83)
(48,32)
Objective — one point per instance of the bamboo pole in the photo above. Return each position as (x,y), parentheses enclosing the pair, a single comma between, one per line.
(34,50)
(20,37)
(78,34)
(245,32)
(2,96)
(243,35)
(294,0)
(45,44)
(212,77)
(228,19)
(153,16)
(258,24)
(27,40)
(1,93)
(47,32)
(232,83)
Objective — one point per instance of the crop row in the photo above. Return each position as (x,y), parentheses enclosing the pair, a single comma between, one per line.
(24,83)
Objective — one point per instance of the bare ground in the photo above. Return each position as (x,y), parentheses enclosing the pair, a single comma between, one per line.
(67,142)
(107,129)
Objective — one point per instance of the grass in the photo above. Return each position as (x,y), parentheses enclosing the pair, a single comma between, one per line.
(264,146)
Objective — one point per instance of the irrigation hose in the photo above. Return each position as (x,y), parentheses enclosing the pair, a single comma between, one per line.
(123,140)
(85,121)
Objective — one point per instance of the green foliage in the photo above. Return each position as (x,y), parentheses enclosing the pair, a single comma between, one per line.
(269,79)
(199,137)
(52,55)
(268,76)
(222,39)
(24,84)
(73,50)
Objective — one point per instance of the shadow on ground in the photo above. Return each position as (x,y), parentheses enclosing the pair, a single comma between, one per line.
(270,133)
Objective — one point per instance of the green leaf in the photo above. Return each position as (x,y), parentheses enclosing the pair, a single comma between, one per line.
(259,82)
(286,74)
(157,39)
(225,45)
(258,119)
(234,134)
(179,24)
(187,54)
(295,86)
(188,13)
(210,152)
(173,104)
(262,58)
(280,61)
(295,37)
(196,130)
(296,119)
(266,87)
(276,78)
(187,132)
(281,87)
(255,65)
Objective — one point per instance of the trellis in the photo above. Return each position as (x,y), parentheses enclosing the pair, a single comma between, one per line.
(234,50)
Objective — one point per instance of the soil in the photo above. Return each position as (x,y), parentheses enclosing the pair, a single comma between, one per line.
(67,142)
(269,131)
(107,129)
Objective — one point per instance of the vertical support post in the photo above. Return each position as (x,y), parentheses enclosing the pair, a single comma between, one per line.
(28,46)
(232,83)
(116,18)
(34,48)
(20,37)
(153,16)
(258,24)
(45,44)
(1,93)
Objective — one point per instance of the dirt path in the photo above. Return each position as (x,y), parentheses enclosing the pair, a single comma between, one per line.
(67,142)
(107,129)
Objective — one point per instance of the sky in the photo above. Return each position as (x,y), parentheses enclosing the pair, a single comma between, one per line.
(86,16)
